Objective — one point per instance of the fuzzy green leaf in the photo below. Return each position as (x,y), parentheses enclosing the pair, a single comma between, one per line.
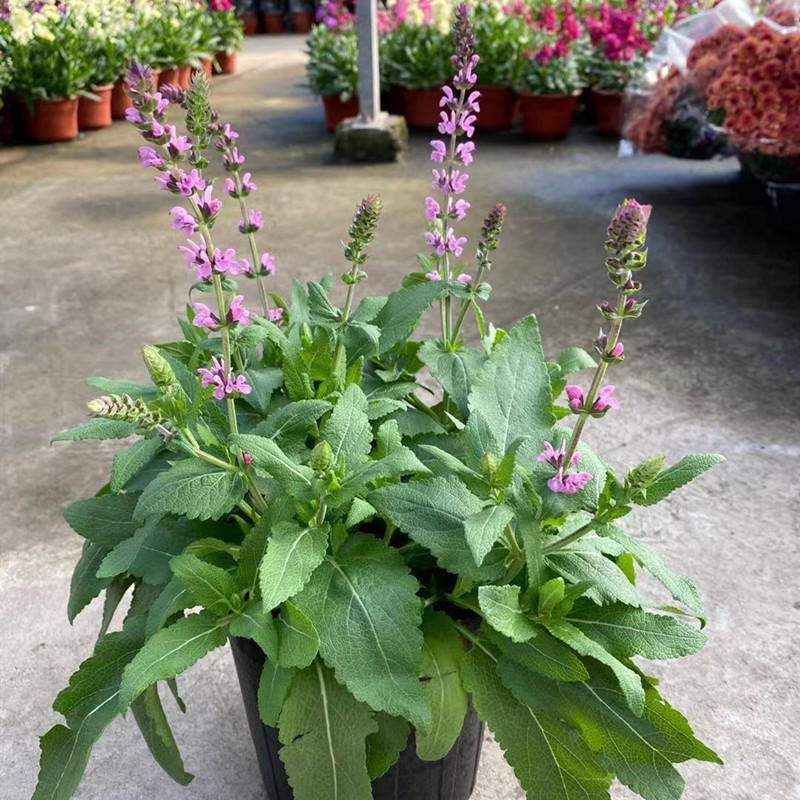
(347,430)
(273,686)
(106,520)
(255,623)
(385,745)
(295,418)
(293,553)
(269,458)
(97,429)
(128,463)
(486,528)
(85,585)
(574,359)
(210,586)
(264,382)
(403,310)
(254,546)
(501,609)
(323,729)
(173,598)
(365,595)
(672,478)
(299,642)
(169,652)
(193,489)
(455,371)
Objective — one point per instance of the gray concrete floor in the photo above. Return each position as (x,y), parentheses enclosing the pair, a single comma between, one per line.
(90,274)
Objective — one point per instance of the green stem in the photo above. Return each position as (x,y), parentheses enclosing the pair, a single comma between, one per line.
(348,304)
(253,249)
(470,636)
(217,462)
(465,304)
(559,544)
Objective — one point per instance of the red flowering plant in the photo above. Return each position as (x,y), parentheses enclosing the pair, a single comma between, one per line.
(226,28)
(549,64)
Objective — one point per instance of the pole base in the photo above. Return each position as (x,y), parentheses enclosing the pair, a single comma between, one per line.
(383,139)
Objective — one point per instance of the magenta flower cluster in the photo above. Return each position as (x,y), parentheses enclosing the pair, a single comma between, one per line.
(571,483)
(222,380)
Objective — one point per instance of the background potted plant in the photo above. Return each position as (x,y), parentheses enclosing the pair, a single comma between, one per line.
(389,561)
(332,66)
(180,37)
(302,15)
(138,42)
(49,68)
(248,13)
(274,16)
(227,35)
(548,80)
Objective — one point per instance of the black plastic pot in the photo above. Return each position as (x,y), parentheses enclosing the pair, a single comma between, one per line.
(452,778)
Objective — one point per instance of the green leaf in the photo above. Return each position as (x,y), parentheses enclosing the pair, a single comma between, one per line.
(97,429)
(672,478)
(574,359)
(455,371)
(403,310)
(152,721)
(89,704)
(449,461)
(294,418)
(85,584)
(512,391)
(193,489)
(680,587)
(486,528)
(273,686)
(433,512)
(174,597)
(105,520)
(323,730)
(263,381)
(211,587)
(146,554)
(130,462)
(254,546)
(359,512)
(501,609)
(115,591)
(347,430)
(365,596)
(629,681)
(545,755)
(169,652)
(269,458)
(385,745)
(293,553)
(551,594)
(442,657)
(145,391)
(299,642)
(542,654)
(253,622)
(626,631)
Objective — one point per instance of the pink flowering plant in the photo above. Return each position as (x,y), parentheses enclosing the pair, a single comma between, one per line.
(393,548)
(332,66)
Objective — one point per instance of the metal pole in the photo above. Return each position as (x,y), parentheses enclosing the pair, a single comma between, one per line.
(369,90)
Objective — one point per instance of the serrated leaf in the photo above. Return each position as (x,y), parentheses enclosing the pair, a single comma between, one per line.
(263,381)
(629,681)
(433,512)
(210,586)
(442,657)
(115,591)
(299,642)
(253,622)
(449,461)
(254,546)
(347,430)
(672,478)
(512,390)
(97,429)
(486,528)
(294,418)
(152,721)
(293,553)
(386,744)
(131,461)
(403,310)
(322,725)
(169,652)
(106,520)
(574,359)
(365,595)
(269,458)
(145,391)
(626,631)
(360,511)
(545,755)
(193,489)
(85,585)
(273,686)
(174,597)
(501,609)
(455,371)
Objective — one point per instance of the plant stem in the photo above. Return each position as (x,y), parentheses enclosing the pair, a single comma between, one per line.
(348,304)
(467,634)
(465,304)
(572,537)
(253,249)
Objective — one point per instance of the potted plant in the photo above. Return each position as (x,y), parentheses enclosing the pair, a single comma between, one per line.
(302,15)
(547,80)
(274,16)
(332,66)
(614,59)
(179,41)
(379,563)
(49,68)
(499,38)
(247,11)
(227,35)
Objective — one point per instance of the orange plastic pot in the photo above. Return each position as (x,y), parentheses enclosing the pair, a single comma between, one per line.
(499,107)
(336,110)
(205,68)
(226,63)
(302,21)
(53,120)
(273,23)
(184,76)
(547,116)
(120,101)
(421,107)
(608,110)
(170,76)
(250,22)
(95,114)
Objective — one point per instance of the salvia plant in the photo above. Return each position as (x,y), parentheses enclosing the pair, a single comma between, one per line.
(396,552)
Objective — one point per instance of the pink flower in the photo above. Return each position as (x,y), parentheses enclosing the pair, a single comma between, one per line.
(267,264)
(605,400)
(237,314)
(455,244)
(432,209)
(149,158)
(464,152)
(471,103)
(464,278)
(182,220)
(190,182)
(222,380)
(555,457)
(569,484)
(461,208)
(232,160)
(255,222)
(439,150)
(203,318)
(458,182)
(448,124)
(467,123)
(229,187)
(448,98)
(248,185)
(574,396)
(207,205)
(433,276)
(247,458)
(178,145)
(226,262)
(197,256)
(436,242)
(275,315)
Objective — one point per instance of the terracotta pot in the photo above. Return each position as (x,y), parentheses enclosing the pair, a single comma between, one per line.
(53,120)
(170,76)
(250,21)
(120,102)
(608,109)
(302,21)
(547,116)
(499,107)
(205,68)
(422,107)
(336,110)
(95,114)
(273,23)
(185,76)
(226,63)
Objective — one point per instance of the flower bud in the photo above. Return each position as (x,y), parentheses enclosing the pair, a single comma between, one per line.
(607,310)
(642,476)
(489,464)
(306,336)
(124,409)
(160,371)
(629,225)
(321,458)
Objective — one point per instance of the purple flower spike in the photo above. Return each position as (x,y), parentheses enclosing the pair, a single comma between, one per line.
(275,315)
(267,264)
(148,157)
(568,484)
(433,276)
(255,222)
(432,209)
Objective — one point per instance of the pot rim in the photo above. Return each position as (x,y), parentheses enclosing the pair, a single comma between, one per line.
(551,95)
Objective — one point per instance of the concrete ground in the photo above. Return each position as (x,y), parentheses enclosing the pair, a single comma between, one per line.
(90,274)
